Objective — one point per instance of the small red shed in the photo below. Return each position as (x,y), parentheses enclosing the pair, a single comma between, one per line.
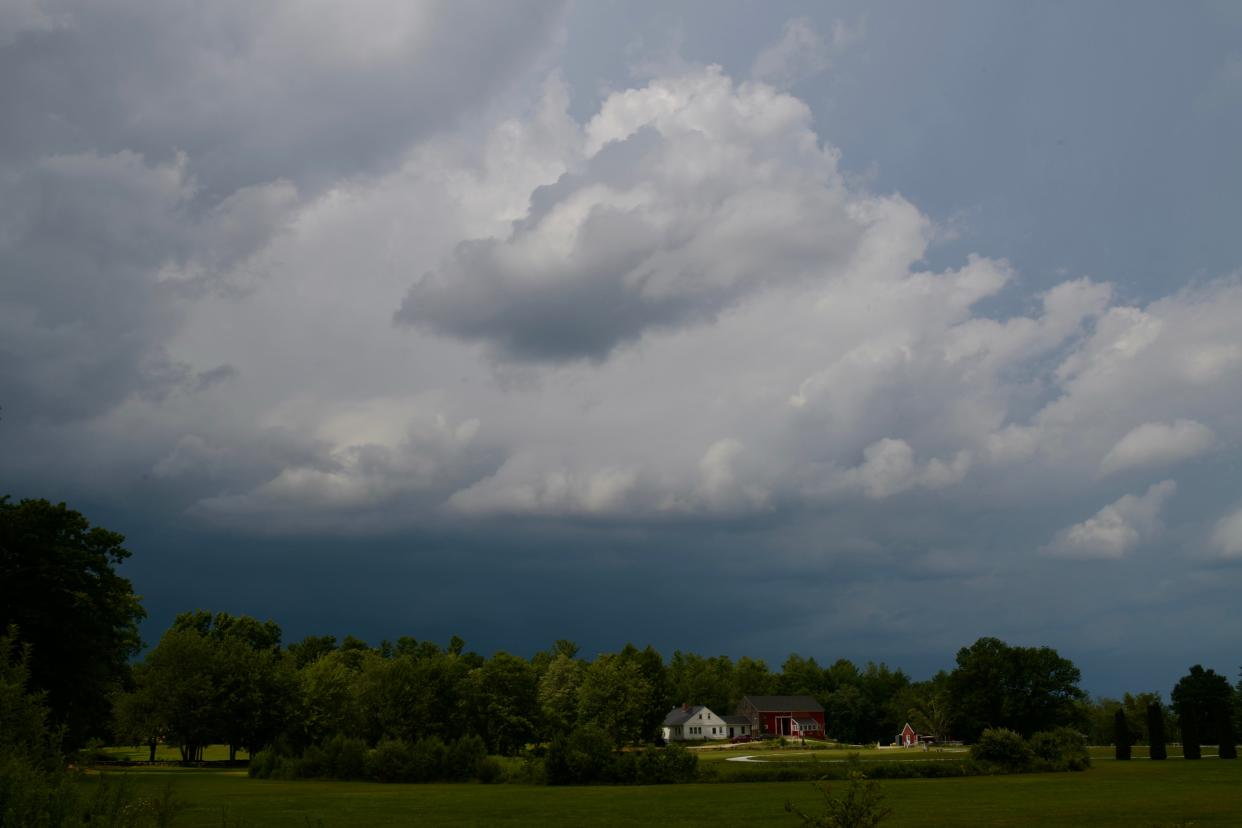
(907,737)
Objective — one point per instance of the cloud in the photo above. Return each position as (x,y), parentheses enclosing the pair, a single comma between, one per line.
(889,468)
(254,93)
(155,152)
(1227,537)
(1114,531)
(378,466)
(691,193)
(675,310)
(801,53)
(1158,444)
(715,393)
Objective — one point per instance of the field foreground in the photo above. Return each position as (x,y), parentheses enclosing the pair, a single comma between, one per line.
(1137,793)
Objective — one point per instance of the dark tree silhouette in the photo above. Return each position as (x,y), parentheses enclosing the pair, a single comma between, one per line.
(1155,731)
(1122,738)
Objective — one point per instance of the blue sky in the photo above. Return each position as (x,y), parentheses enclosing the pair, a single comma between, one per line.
(857,330)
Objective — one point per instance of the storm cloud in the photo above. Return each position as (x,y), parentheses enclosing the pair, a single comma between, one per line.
(385,301)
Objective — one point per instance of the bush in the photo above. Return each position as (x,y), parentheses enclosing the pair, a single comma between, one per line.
(666,765)
(263,764)
(313,764)
(1063,749)
(427,759)
(1003,749)
(861,806)
(489,770)
(463,757)
(33,795)
(345,757)
(392,760)
(582,757)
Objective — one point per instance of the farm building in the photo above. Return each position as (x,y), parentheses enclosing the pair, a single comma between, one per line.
(907,737)
(797,716)
(739,726)
(693,723)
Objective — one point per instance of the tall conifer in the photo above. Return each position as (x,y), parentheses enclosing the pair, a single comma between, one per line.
(1122,739)
(1224,726)
(1155,731)
(1190,736)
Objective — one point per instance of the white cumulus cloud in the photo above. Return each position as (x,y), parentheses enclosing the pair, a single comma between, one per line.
(1227,537)
(1117,529)
(1158,444)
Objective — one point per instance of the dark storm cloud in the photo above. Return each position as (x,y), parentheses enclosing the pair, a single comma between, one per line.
(253,92)
(759,408)
(148,150)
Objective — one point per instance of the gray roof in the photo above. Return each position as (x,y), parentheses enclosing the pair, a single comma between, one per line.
(745,720)
(783,704)
(680,715)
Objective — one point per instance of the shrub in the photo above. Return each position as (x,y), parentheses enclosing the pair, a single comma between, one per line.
(462,759)
(666,765)
(345,757)
(312,764)
(427,759)
(489,770)
(1063,749)
(582,757)
(392,760)
(262,764)
(1002,748)
(861,806)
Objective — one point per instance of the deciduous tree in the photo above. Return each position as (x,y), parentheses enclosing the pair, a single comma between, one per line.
(59,587)
(1204,699)
(1026,689)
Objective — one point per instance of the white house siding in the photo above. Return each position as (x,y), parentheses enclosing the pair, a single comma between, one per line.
(702,726)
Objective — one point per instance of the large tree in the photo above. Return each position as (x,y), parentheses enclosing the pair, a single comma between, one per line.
(618,697)
(1204,699)
(59,587)
(503,701)
(1026,689)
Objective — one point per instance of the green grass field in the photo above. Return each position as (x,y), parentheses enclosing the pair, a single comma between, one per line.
(168,753)
(1138,793)
(796,753)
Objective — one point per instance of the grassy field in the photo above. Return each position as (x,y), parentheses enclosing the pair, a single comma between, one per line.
(1138,793)
(168,753)
(795,753)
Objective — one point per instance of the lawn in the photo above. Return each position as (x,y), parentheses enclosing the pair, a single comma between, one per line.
(168,753)
(1138,793)
(795,753)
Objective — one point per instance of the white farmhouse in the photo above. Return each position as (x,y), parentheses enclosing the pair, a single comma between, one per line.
(693,723)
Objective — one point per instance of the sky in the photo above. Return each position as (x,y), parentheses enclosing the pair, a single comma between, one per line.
(856,330)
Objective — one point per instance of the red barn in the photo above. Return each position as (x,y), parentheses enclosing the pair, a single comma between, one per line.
(798,716)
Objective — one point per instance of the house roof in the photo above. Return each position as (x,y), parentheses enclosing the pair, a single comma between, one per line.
(681,715)
(783,704)
(736,720)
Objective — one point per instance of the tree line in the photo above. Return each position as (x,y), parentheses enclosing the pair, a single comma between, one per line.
(220,678)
